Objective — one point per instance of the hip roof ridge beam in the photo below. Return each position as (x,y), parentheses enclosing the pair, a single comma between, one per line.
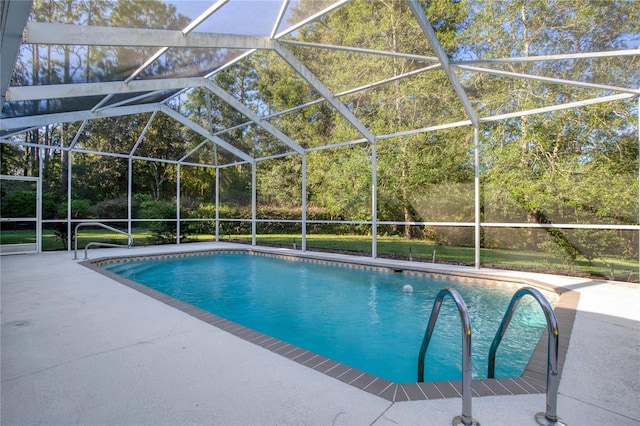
(92,35)
(59,91)
(428,31)
(310,78)
(241,108)
(203,132)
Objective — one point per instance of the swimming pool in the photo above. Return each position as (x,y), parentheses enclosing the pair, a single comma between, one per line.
(358,317)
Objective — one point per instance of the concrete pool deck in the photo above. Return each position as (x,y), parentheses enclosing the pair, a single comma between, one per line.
(80,348)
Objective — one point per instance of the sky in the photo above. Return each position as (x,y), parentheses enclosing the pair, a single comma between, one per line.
(246,17)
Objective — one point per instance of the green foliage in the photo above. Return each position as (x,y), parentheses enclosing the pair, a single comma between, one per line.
(342,185)
(275,213)
(280,182)
(162,231)
(19,204)
(49,206)
(115,208)
(80,209)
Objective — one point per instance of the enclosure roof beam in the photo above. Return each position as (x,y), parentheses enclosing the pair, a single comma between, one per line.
(337,95)
(90,35)
(113,154)
(556,57)
(230,63)
(66,117)
(281,14)
(143,133)
(276,156)
(76,138)
(185,31)
(15,132)
(60,91)
(420,58)
(388,80)
(306,74)
(241,108)
(551,80)
(312,18)
(418,13)
(338,145)
(189,28)
(203,16)
(127,101)
(13,15)
(576,104)
(204,132)
(190,153)
(426,129)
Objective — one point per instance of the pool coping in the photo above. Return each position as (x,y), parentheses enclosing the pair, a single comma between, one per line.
(532,381)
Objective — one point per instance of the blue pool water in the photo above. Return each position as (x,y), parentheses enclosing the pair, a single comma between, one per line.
(357,317)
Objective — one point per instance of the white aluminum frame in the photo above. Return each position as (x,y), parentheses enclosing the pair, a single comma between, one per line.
(38,219)
(48,34)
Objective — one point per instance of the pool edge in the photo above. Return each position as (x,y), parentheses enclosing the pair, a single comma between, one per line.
(532,381)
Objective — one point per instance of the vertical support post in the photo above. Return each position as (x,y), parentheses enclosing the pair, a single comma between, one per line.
(476,190)
(178,204)
(217,204)
(130,196)
(130,179)
(303,244)
(39,202)
(217,189)
(374,200)
(69,228)
(253,203)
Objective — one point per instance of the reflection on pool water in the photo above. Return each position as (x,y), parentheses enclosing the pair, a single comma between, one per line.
(364,319)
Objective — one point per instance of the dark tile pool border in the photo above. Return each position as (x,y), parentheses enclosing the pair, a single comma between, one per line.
(532,381)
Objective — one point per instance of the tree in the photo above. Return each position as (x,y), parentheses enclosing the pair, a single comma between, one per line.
(392,107)
(540,166)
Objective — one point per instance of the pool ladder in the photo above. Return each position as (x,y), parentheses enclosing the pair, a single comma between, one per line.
(98,244)
(549,417)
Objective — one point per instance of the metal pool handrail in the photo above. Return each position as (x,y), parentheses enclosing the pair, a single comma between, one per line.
(97,244)
(465,418)
(548,418)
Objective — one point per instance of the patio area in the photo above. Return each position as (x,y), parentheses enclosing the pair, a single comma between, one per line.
(80,348)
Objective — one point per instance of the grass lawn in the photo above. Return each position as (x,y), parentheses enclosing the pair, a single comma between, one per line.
(51,242)
(423,250)
(394,246)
